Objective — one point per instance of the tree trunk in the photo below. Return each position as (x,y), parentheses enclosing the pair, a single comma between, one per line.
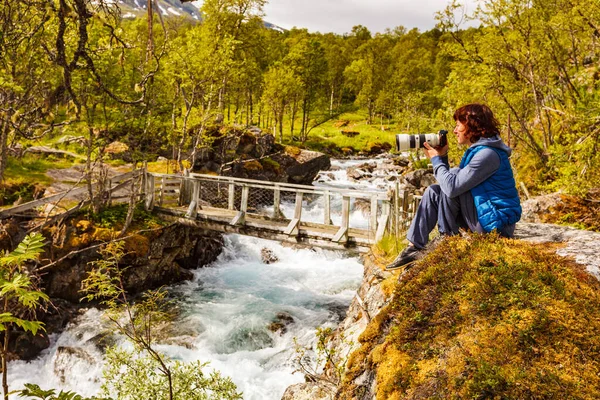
(5,362)
(150,49)
(303,127)
(3,147)
(331,101)
(293,118)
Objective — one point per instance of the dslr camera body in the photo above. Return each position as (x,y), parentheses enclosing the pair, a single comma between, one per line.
(406,142)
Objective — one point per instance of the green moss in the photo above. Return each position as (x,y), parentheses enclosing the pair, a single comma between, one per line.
(270,165)
(114,217)
(490,318)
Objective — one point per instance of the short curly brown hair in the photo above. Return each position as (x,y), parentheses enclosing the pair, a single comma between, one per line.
(479,120)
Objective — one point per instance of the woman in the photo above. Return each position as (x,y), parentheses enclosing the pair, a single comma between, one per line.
(479,195)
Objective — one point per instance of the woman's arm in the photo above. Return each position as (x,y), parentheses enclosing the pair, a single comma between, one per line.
(454,183)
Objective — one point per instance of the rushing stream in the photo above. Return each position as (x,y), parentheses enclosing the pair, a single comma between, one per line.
(225,313)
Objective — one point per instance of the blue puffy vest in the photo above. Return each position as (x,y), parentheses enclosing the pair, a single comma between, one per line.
(496,199)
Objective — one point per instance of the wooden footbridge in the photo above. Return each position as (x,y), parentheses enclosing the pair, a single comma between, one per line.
(325,217)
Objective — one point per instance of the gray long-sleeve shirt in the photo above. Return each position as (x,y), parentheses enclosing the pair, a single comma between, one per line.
(456,181)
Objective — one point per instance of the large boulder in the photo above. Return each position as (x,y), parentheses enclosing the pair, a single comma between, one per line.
(293,165)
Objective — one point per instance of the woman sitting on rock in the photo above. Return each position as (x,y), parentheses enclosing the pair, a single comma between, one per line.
(480,195)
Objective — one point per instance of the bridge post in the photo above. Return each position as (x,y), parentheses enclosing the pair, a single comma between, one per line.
(396,203)
(292,228)
(405,203)
(149,192)
(240,218)
(385,220)
(193,208)
(162,191)
(231,196)
(342,233)
(327,209)
(184,188)
(276,202)
(373,222)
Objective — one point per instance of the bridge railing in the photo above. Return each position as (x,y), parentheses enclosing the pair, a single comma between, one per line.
(369,213)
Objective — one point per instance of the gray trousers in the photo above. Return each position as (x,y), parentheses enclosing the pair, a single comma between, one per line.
(449,214)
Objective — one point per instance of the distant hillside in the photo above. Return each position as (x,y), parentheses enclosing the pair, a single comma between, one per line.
(169,8)
(175,8)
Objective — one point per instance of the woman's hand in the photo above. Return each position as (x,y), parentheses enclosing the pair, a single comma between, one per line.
(431,152)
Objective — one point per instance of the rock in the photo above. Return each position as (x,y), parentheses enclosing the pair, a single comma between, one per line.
(320,390)
(583,246)
(306,166)
(25,346)
(116,147)
(268,256)
(162,159)
(280,323)
(68,139)
(118,150)
(420,178)
(250,339)
(537,206)
(68,358)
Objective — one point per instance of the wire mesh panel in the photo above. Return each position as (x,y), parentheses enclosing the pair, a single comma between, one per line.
(260,200)
(216,194)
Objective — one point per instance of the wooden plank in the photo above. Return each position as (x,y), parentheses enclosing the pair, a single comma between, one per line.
(36,203)
(162,191)
(343,231)
(284,186)
(239,219)
(298,206)
(231,196)
(244,203)
(382,226)
(150,193)
(276,202)
(373,219)
(292,228)
(327,208)
(248,230)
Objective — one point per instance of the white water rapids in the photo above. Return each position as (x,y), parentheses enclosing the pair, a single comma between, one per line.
(224,318)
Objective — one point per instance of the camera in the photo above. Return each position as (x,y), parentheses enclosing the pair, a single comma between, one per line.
(409,142)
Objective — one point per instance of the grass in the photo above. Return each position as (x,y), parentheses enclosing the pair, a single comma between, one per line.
(329,134)
(33,168)
(485,318)
(26,176)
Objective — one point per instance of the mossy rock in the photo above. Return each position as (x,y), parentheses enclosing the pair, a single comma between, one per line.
(253,165)
(293,151)
(489,318)
(269,164)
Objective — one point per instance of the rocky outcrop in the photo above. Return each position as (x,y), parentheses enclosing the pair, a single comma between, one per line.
(252,154)
(163,259)
(376,291)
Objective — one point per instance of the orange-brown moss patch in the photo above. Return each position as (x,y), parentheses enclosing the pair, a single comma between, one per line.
(581,213)
(253,165)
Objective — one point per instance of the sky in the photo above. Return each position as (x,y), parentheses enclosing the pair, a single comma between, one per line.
(339,16)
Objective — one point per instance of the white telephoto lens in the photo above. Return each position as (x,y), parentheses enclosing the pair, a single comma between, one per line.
(409,142)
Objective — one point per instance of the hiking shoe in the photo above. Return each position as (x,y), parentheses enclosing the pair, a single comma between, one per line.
(407,257)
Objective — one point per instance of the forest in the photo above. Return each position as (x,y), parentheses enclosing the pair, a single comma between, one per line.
(81,75)
(160,85)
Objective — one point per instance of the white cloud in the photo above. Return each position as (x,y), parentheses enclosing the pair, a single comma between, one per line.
(340,16)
